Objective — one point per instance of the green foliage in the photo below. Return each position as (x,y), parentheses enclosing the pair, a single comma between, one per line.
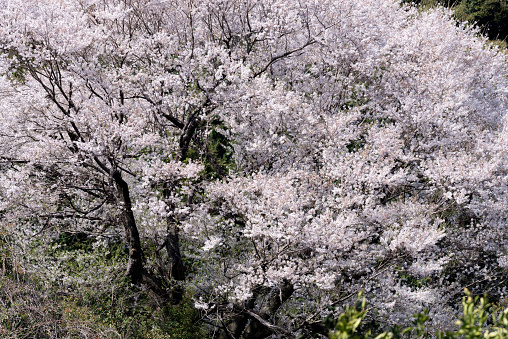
(356,145)
(17,70)
(480,320)
(74,241)
(135,314)
(219,149)
(214,150)
(347,323)
(412,281)
(490,15)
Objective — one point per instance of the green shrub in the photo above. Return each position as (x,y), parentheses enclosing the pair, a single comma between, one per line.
(480,320)
(92,300)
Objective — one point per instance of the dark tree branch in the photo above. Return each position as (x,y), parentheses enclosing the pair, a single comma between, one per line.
(283,55)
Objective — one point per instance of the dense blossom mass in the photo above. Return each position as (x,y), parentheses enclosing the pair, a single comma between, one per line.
(294,152)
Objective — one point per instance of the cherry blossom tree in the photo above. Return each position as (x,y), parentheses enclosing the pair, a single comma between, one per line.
(299,151)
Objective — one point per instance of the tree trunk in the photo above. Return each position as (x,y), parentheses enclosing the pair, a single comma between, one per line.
(176,268)
(186,137)
(135,269)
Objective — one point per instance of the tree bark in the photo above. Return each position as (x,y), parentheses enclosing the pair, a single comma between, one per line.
(135,269)
(176,268)
(186,137)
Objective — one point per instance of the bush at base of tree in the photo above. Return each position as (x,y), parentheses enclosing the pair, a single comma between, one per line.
(28,310)
(106,306)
